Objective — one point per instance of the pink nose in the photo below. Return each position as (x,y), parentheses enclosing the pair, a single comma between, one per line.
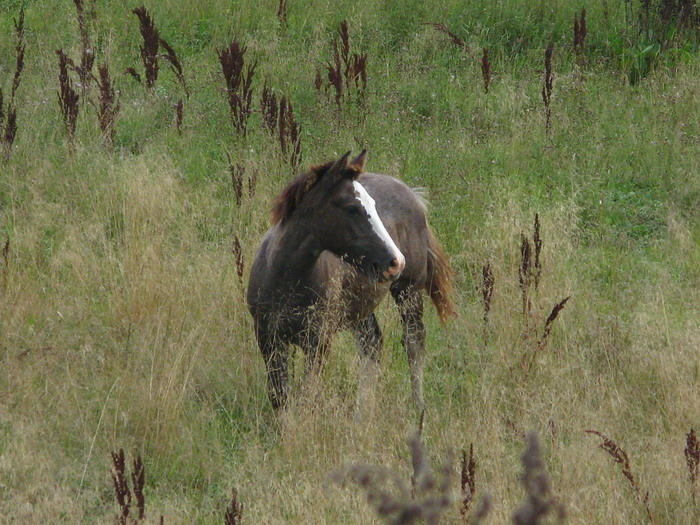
(396,267)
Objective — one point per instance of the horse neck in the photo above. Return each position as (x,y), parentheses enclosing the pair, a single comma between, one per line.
(294,255)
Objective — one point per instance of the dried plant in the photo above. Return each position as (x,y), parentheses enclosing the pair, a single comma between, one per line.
(138,480)
(67,97)
(174,62)
(487,283)
(537,242)
(396,506)
(109,106)
(282,15)
(269,109)
(346,73)
(525,274)
(692,459)
(87,53)
(121,486)
(550,320)
(178,116)
(238,79)
(621,458)
(547,87)
(454,38)
(289,134)
(131,71)
(238,255)
(234,511)
(6,260)
(237,173)
(580,32)
(486,70)
(122,491)
(149,50)
(539,501)
(8,121)
(467,482)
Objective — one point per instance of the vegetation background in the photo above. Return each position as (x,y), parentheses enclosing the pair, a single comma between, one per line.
(122,317)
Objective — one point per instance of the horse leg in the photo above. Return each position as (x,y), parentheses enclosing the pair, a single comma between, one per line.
(368,337)
(410,303)
(276,355)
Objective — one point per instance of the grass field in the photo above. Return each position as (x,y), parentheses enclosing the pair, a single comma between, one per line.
(122,317)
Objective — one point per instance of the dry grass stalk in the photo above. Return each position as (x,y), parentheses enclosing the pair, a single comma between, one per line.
(138,479)
(692,459)
(454,38)
(621,458)
(487,282)
(537,242)
(234,511)
(179,116)
(237,173)
(580,32)
(109,106)
(282,15)
(174,62)
(8,122)
(347,73)
(238,79)
(525,274)
(149,50)
(87,53)
(550,321)
(67,97)
(433,497)
(547,87)
(289,133)
(486,70)
(121,486)
(269,109)
(467,482)
(539,501)
(238,255)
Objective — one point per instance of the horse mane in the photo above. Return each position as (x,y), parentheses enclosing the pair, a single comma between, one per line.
(290,197)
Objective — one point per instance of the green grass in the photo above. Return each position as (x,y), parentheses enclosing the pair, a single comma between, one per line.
(123,324)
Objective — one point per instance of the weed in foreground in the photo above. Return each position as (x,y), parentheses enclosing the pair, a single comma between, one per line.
(347,73)
(149,49)
(67,98)
(692,459)
(108,108)
(234,511)
(486,70)
(580,33)
(87,52)
(467,482)
(547,87)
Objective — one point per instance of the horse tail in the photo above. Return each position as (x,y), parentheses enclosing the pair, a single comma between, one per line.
(439,284)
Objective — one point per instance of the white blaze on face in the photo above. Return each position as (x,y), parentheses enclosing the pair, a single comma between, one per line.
(377,225)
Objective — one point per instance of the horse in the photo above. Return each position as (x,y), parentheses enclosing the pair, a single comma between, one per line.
(340,240)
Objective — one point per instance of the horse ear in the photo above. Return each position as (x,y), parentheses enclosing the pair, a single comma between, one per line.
(338,168)
(358,163)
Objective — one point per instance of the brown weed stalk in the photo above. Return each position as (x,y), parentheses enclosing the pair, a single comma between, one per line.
(537,242)
(525,274)
(486,70)
(238,256)
(269,109)
(174,62)
(8,122)
(467,482)
(550,321)
(108,108)
(347,72)
(580,32)
(289,133)
(179,116)
(234,511)
(547,86)
(539,501)
(121,486)
(67,97)
(238,79)
(6,260)
(87,53)
(692,459)
(282,15)
(621,458)
(149,49)
(138,480)
(454,37)
(237,173)
(487,282)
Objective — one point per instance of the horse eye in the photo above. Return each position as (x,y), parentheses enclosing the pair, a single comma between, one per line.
(353,209)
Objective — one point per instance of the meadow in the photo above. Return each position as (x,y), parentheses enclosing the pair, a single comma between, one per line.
(130,209)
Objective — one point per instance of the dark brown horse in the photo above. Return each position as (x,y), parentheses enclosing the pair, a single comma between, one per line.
(328,260)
